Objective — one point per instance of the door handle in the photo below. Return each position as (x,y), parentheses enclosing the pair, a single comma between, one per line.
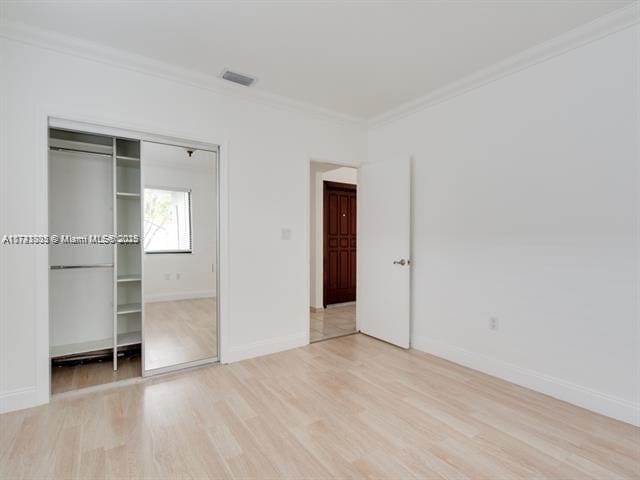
(402,262)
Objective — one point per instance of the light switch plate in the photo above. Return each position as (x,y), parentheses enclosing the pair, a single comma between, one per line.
(286,234)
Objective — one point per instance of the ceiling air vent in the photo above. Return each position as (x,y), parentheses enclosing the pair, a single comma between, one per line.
(238,78)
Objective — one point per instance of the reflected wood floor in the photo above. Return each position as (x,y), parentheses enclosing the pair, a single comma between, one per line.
(332,322)
(179,331)
(351,407)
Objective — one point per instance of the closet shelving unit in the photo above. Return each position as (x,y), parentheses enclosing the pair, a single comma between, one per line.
(95,290)
(127,323)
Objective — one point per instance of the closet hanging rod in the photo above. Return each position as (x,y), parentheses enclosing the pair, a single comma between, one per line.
(62,149)
(96,265)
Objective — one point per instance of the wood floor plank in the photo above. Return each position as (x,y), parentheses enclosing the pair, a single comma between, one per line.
(350,407)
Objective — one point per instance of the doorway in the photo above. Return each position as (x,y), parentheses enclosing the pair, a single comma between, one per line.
(333,247)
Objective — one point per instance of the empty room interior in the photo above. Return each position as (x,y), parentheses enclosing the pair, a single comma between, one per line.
(320,239)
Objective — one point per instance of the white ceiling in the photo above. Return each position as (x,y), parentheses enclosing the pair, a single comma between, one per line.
(163,155)
(361,59)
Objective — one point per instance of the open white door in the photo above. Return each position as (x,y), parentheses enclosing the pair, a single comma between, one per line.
(384,241)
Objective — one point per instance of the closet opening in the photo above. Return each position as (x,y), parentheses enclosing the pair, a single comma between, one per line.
(133,256)
(95,311)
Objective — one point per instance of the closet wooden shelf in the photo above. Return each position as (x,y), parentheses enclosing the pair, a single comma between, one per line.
(82,347)
(130,338)
(127,195)
(136,277)
(129,308)
(122,161)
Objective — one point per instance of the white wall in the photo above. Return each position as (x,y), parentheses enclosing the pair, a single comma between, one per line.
(268,154)
(189,275)
(81,194)
(320,172)
(525,207)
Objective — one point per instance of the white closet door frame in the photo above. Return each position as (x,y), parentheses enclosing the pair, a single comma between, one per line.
(220,147)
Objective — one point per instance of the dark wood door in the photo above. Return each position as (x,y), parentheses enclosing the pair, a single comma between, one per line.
(340,210)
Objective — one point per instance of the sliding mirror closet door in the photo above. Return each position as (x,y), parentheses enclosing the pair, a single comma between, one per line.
(180,251)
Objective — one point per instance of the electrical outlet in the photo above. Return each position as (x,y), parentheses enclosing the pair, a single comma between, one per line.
(494,324)
(285,234)
(167,276)
(177,276)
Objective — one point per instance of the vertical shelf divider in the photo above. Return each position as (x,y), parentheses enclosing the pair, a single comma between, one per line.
(128,218)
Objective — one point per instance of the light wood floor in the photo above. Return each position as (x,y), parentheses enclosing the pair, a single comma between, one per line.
(332,322)
(179,331)
(66,378)
(350,407)
(176,332)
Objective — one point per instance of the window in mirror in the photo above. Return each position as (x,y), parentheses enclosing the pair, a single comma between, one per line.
(167,220)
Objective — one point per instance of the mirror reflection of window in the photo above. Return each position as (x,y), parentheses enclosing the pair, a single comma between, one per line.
(167,220)
(180,210)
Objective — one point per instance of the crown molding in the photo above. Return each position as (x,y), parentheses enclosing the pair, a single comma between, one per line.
(597,29)
(77,47)
(615,21)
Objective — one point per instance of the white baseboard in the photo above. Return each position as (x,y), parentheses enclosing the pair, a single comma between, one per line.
(167,297)
(584,397)
(343,304)
(265,347)
(18,399)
